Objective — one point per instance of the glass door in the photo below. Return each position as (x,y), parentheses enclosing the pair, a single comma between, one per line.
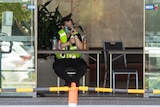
(17,41)
(152,45)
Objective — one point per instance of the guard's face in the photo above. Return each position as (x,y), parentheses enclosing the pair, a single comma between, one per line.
(68,24)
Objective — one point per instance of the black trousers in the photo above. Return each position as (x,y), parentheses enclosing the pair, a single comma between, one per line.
(79,64)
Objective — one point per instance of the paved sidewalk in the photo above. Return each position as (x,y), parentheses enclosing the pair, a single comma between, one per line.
(82,100)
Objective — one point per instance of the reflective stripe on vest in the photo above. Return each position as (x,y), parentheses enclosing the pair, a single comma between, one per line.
(63,36)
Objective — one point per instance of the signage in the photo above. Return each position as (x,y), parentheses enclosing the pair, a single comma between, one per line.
(28,6)
(151,7)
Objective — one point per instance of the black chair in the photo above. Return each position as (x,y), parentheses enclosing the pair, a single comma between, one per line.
(71,71)
(119,63)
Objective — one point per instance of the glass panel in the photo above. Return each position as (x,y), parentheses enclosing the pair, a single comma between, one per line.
(152,44)
(17,41)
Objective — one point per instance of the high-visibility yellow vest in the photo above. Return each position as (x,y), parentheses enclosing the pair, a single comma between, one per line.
(63,39)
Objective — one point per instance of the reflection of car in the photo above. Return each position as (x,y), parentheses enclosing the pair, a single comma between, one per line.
(16,59)
(20,49)
(11,61)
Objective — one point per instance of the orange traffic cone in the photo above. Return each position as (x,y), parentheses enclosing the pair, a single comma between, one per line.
(73,95)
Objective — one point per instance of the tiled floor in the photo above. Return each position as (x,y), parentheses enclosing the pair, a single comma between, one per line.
(98,99)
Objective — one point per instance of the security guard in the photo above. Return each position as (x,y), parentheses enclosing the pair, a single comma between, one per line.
(69,39)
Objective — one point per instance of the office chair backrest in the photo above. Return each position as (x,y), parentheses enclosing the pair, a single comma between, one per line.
(117,59)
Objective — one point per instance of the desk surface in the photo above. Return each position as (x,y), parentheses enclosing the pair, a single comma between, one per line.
(69,51)
(129,51)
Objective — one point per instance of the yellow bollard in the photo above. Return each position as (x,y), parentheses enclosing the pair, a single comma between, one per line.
(73,95)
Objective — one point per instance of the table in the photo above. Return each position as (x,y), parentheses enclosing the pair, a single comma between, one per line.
(129,51)
(97,52)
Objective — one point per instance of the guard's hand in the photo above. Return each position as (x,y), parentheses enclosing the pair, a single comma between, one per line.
(72,40)
(72,31)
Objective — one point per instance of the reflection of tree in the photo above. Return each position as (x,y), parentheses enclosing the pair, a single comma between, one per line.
(21,16)
(152,19)
(154,82)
